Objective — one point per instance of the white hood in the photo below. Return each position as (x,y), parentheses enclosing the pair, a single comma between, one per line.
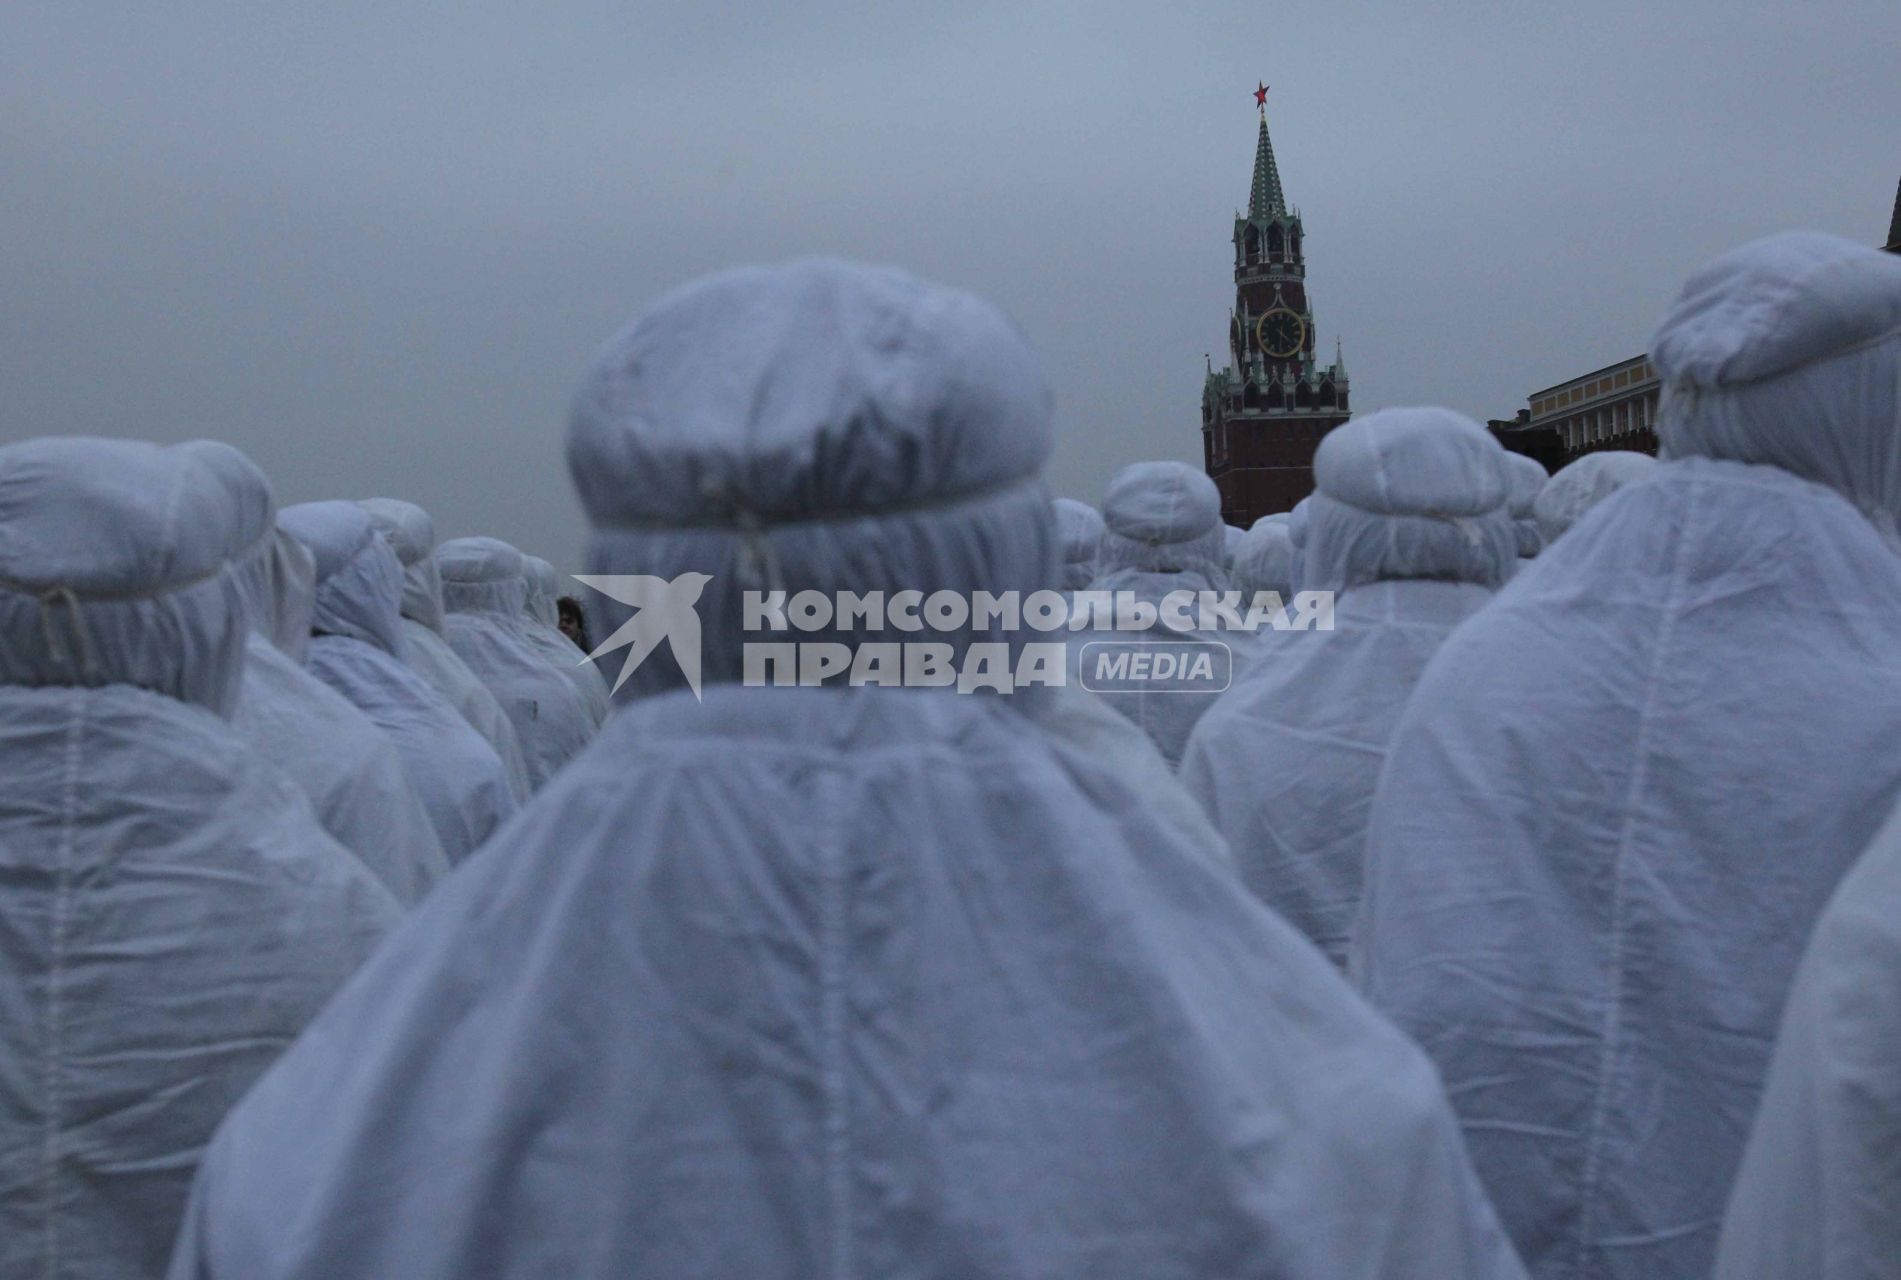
(812,426)
(105,579)
(359,579)
(1585,483)
(1787,352)
(1409,493)
(411,534)
(1161,518)
(1265,559)
(544,585)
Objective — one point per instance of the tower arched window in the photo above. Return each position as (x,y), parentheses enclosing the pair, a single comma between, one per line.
(1328,398)
(1254,244)
(1251,398)
(1303,395)
(1276,398)
(1276,243)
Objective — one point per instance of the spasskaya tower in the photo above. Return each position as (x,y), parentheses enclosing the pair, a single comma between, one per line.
(1263,416)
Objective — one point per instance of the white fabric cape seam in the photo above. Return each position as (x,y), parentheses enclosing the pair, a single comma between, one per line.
(1613,1016)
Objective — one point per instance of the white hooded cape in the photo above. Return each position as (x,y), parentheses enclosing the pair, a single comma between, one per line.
(541,583)
(411,534)
(171,914)
(1410,526)
(1607,810)
(848,982)
(483,596)
(1162,534)
(356,649)
(346,765)
(691,1017)
(1621,796)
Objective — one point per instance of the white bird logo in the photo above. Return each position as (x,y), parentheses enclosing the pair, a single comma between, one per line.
(663,610)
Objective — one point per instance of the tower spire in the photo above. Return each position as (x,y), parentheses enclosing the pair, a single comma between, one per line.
(1266,200)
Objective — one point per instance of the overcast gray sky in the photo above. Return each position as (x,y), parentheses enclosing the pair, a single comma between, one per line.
(373,244)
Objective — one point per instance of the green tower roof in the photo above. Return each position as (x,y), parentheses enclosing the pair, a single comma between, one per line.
(1266,200)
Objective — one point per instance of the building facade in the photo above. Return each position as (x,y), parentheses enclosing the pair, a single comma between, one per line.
(1263,415)
(1610,408)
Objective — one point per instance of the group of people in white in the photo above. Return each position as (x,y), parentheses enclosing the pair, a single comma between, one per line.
(1540,917)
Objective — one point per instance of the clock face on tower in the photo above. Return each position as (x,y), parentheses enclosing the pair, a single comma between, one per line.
(1281,333)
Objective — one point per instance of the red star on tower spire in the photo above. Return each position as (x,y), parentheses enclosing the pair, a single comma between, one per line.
(1260,96)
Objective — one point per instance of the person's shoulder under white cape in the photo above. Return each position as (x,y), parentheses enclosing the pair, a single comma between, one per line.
(852,982)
